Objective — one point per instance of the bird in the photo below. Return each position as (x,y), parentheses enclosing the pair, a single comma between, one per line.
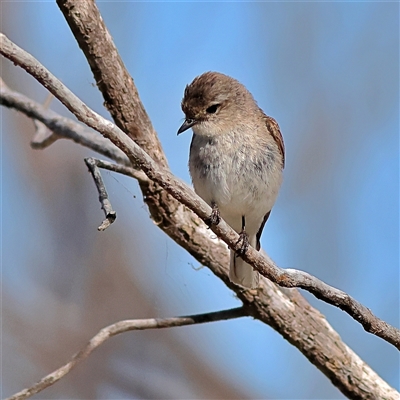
(236,161)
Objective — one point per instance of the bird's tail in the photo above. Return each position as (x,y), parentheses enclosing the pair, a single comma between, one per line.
(242,273)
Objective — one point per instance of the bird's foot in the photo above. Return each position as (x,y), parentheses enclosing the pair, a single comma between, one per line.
(215,217)
(244,240)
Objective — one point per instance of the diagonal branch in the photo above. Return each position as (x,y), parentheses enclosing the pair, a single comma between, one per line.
(120,327)
(61,126)
(121,97)
(285,310)
(181,192)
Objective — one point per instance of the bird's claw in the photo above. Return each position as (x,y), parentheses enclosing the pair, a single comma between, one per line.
(215,217)
(244,239)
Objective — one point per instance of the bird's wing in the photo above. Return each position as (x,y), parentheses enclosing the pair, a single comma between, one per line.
(274,130)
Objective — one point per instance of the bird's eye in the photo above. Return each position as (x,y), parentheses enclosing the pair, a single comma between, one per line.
(212,109)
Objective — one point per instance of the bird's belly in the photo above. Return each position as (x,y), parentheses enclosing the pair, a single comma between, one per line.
(252,198)
(238,190)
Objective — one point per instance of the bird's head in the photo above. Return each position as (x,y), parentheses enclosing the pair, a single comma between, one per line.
(213,103)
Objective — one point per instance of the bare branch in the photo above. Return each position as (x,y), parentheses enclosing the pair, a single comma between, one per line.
(284,309)
(43,137)
(121,169)
(110,214)
(121,97)
(120,327)
(181,192)
(61,126)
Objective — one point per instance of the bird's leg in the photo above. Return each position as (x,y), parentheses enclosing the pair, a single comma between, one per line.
(215,217)
(243,238)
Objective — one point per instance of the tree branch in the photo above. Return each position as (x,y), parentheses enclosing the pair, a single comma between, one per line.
(70,129)
(121,97)
(120,327)
(60,126)
(110,214)
(289,278)
(285,310)
(66,128)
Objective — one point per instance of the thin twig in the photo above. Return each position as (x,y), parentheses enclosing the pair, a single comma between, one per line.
(122,169)
(121,327)
(66,128)
(61,126)
(110,214)
(94,164)
(43,136)
(180,191)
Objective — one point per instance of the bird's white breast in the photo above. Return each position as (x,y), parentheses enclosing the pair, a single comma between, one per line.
(241,176)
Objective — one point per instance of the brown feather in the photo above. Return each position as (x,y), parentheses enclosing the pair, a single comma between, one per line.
(274,130)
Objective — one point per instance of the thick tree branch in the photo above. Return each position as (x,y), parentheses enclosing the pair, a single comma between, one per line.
(121,97)
(289,278)
(285,310)
(120,327)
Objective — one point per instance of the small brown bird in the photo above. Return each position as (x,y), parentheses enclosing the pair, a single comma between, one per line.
(236,160)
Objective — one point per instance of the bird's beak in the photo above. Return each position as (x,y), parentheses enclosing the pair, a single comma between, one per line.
(186,125)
